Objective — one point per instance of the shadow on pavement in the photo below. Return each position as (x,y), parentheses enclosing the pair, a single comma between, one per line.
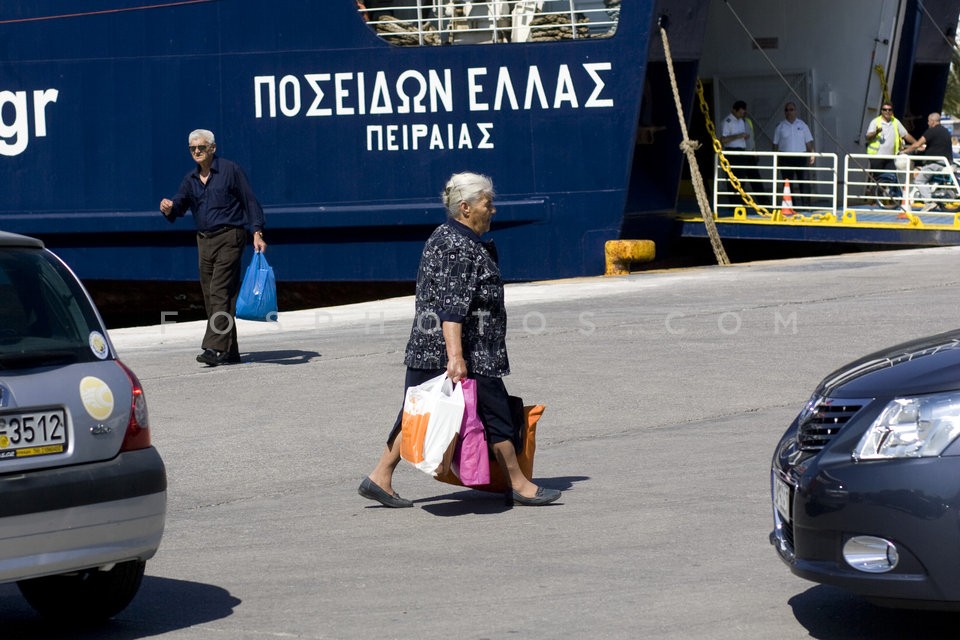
(471,502)
(162,605)
(291,356)
(829,613)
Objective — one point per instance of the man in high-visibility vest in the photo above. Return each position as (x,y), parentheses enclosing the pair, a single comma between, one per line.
(885,136)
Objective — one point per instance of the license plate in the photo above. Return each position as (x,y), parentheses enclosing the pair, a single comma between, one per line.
(38,433)
(781,498)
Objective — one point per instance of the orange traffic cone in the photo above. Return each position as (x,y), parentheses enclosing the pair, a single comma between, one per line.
(787,208)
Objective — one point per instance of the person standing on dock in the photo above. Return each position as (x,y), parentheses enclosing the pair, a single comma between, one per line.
(735,135)
(793,135)
(224,207)
(885,136)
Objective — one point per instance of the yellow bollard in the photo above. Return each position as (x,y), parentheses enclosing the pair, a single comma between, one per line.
(620,253)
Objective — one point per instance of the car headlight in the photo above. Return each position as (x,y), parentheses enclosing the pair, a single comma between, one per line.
(917,427)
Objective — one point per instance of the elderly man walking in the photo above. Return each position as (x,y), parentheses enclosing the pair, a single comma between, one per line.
(224,209)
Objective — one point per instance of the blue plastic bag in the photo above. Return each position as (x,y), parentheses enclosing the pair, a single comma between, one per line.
(258,292)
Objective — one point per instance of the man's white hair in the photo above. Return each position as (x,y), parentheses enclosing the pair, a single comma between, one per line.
(202,134)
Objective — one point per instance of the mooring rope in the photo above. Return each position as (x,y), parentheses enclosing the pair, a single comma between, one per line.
(689,146)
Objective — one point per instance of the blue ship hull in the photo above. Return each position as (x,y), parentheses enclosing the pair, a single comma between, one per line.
(347,139)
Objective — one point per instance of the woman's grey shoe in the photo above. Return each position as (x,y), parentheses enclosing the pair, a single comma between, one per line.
(370,490)
(544,496)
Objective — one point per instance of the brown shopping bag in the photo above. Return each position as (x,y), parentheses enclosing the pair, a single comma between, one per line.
(525,452)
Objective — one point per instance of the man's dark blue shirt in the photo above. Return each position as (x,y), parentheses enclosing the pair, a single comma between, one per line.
(225,201)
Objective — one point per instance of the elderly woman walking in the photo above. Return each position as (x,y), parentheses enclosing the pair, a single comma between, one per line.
(460,328)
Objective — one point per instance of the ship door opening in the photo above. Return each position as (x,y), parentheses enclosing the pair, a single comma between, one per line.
(653,177)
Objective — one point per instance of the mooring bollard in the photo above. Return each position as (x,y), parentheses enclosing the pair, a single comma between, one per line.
(620,253)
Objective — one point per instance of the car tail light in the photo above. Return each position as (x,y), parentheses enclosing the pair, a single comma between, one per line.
(138,429)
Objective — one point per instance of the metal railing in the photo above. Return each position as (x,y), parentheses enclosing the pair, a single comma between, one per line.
(872,189)
(876,185)
(439,22)
(765,176)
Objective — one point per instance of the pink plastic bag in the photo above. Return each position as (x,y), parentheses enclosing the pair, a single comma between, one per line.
(471,462)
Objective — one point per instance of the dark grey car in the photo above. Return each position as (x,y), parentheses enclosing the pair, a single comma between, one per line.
(866,481)
(82,491)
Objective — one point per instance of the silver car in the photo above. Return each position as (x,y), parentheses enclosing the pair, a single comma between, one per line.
(82,491)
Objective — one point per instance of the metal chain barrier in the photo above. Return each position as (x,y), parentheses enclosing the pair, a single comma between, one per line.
(689,146)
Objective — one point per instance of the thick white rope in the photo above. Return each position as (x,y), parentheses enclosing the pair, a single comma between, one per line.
(689,146)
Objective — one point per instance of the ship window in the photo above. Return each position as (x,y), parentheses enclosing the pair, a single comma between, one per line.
(417,23)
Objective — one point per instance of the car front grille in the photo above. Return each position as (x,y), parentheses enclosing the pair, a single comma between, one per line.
(822,420)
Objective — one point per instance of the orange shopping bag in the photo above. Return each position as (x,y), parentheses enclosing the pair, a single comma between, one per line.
(432,413)
(527,447)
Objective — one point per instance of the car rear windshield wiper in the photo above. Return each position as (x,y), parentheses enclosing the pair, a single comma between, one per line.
(37,359)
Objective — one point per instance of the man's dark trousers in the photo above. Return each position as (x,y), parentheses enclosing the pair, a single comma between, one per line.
(220,268)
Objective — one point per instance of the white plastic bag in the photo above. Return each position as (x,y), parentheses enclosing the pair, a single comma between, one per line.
(432,414)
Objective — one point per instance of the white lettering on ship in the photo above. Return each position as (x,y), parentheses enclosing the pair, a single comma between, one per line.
(15,133)
(417,137)
(320,95)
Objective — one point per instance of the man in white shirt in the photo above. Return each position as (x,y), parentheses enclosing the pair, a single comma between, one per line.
(735,136)
(793,135)
(733,130)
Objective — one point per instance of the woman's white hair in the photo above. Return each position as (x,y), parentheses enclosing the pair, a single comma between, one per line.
(465,187)
(202,134)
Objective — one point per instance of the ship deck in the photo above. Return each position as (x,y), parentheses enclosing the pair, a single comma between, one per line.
(862,225)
